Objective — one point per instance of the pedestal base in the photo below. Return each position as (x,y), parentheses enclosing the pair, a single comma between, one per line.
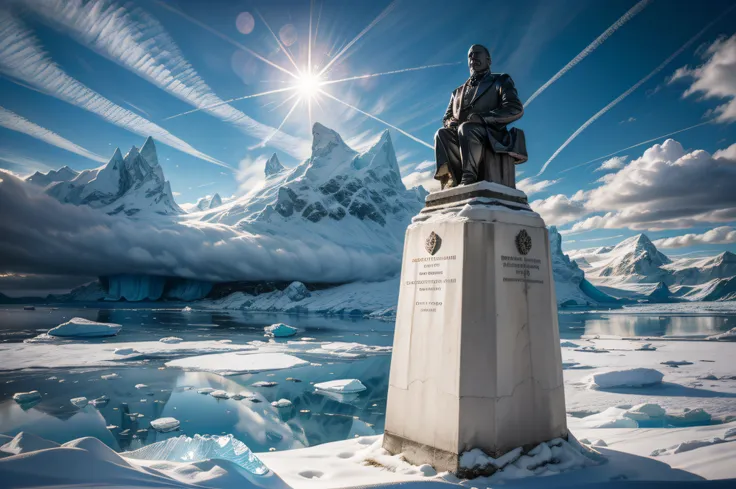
(476,360)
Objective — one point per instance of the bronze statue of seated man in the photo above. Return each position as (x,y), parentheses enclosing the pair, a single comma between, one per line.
(474,144)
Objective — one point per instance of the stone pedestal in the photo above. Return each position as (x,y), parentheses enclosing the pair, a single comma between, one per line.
(476,360)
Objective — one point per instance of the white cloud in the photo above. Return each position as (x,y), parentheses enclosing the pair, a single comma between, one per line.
(22,58)
(666,188)
(425,165)
(423,178)
(615,163)
(719,235)
(77,240)
(251,174)
(559,209)
(530,187)
(715,78)
(14,122)
(135,40)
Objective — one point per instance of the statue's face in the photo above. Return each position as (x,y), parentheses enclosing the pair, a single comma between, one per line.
(478,60)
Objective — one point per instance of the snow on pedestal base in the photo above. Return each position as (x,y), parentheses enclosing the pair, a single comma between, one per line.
(476,361)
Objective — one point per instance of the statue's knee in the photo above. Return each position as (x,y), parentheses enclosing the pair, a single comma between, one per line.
(467,129)
(440,134)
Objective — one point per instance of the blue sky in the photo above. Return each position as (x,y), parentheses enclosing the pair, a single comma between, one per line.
(530,40)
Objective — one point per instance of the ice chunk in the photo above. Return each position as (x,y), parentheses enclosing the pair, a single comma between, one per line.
(109,376)
(126,351)
(264,383)
(280,330)
(84,328)
(569,344)
(731,432)
(100,401)
(236,363)
(647,347)
(220,394)
(27,442)
(141,386)
(79,402)
(186,449)
(727,336)
(187,309)
(631,377)
(343,386)
(237,396)
(171,339)
(205,390)
(600,443)
(26,397)
(689,417)
(646,411)
(164,425)
(676,363)
(282,403)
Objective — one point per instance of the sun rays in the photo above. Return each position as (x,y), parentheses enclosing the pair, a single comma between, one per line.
(307,83)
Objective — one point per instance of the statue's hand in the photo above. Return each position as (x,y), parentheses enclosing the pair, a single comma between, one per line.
(451,123)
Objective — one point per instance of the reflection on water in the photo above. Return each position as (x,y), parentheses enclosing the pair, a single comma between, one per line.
(574,325)
(313,418)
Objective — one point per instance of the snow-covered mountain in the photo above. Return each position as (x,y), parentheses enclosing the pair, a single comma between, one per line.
(571,287)
(63,174)
(348,198)
(208,202)
(635,268)
(133,185)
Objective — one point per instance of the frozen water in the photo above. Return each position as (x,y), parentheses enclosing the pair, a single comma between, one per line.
(80,402)
(186,449)
(164,425)
(84,328)
(344,386)
(234,363)
(282,403)
(220,394)
(171,340)
(26,397)
(280,330)
(631,377)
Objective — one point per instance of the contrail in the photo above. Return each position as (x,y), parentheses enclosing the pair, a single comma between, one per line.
(22,58)
(357,38)
(591,47)
(14,122)
(404,70)
(377,119)
(278,41)
(225,102)
(288,114)
(631,90)
(636,145)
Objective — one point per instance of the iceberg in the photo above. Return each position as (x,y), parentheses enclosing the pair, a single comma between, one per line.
(26,397)
(220,394)
(282,403)
(201,447)
(164,425)
(280,330)
(237,363)
(631,377)
(84,328)
(343,386)
(79,402)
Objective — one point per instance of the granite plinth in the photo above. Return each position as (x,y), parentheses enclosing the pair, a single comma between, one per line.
(476,360)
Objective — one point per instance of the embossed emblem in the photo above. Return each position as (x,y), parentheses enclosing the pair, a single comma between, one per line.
(523,242)
(432,243)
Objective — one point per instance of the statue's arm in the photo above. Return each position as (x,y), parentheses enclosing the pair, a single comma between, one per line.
(448,119)
(510,107)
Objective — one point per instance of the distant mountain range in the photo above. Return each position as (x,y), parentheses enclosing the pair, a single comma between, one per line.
(636,269)
(357,201)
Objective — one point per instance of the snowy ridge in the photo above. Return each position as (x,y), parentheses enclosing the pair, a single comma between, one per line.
(635,268)
(208,202)
(133,185)
(63,174)
(349,198)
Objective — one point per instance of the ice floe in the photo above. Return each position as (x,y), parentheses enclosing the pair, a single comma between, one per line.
(26,397)
(280,330)
(630,377)
(729,335)
(164,425)
(282,403)
(342,386)
(235,363)
(220,394)
(84,328)
(171,340)
(79,402)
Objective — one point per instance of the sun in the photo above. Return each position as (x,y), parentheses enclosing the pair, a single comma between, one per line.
(307,84)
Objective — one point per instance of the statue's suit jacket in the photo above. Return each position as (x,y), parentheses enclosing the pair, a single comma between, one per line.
(497,103)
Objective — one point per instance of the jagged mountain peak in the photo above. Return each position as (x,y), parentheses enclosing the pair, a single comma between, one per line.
(116,156)
(273,166)
(325,139)
(215,201)
(63,174)
(148,152)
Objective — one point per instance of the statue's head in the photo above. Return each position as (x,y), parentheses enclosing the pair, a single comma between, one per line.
(479,59)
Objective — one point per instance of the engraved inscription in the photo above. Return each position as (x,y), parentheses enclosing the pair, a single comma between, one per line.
(522,267)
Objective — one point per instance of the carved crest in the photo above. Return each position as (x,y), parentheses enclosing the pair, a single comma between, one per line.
(523,242)
(432,243)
